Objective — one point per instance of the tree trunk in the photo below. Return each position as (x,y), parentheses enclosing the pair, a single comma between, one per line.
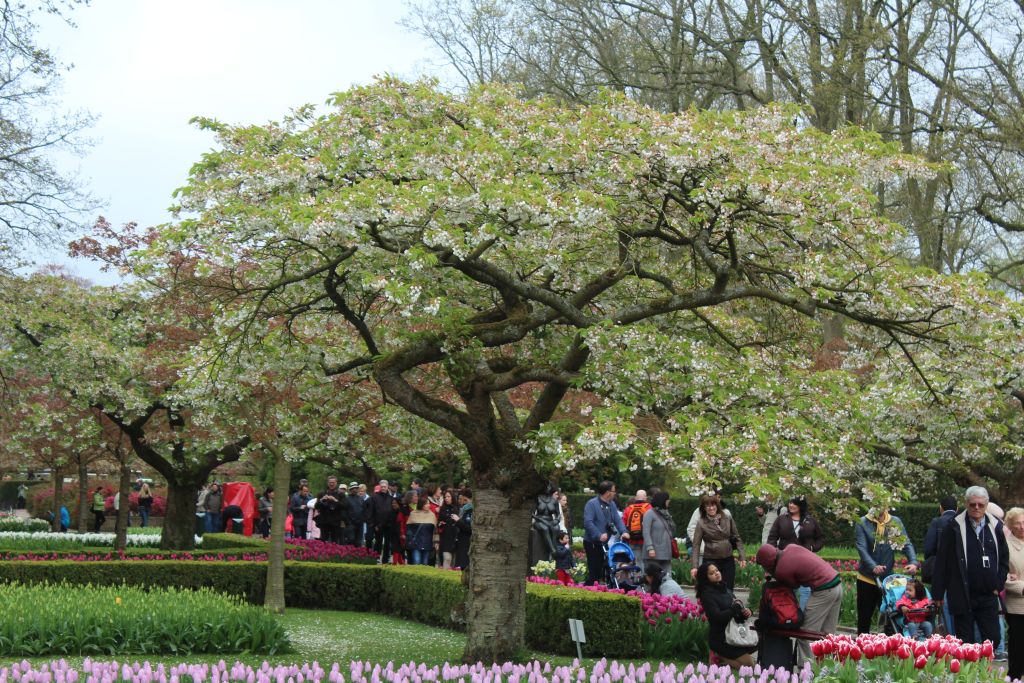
(58,497)
(274,600)
(83,496)
(179,531)
(124,507)
(496,604)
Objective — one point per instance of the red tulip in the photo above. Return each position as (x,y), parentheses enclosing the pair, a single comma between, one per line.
(903,651)
(855,653)
(954,666)
(921,662)
(986,648)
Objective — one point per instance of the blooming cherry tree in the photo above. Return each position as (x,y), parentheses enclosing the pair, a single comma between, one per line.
(481,257)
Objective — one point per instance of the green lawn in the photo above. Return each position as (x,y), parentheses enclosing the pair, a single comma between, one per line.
(328,637)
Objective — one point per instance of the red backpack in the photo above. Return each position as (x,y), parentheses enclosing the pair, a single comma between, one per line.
(779,606)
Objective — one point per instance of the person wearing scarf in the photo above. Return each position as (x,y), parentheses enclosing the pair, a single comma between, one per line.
(877,536)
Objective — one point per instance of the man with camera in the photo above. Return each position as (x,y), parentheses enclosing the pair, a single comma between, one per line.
(601,521)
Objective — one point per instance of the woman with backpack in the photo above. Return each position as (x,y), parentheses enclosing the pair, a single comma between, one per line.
(659,530)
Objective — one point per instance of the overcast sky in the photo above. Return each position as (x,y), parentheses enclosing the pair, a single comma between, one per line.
(145,67)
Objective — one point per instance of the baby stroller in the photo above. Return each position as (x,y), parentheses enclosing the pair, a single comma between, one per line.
(622,569)
(890,618)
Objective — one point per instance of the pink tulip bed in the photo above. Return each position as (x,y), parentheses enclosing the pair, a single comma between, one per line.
(369,672)
(676,626)
(875,656)
(295,549)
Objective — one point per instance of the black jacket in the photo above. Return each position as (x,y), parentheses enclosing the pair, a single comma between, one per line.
(952,577)
(935,529)
(720,607)
(782,533)
(380,509)
(331,512)
(355,509)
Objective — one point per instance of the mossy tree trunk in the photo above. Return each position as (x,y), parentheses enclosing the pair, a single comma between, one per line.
(83,496)
(124,488)
(274,595)
(58,496)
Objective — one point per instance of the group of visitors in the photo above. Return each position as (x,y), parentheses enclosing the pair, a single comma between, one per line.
(98,506)
(426,524)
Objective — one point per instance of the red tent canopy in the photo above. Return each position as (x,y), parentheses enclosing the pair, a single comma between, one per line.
(243,495)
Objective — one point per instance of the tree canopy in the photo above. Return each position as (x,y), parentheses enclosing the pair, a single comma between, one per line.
(483,256)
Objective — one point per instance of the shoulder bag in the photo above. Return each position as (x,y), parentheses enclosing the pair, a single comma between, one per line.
(741,633)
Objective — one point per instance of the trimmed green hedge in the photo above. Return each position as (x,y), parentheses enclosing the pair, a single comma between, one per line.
(915,516)
(234,541)
(614,622)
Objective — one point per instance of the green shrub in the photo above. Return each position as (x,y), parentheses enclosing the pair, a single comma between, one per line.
(217,541)
(614,623)
(17,524)
(424,594)
(9,491)
(355,587)
(60,619)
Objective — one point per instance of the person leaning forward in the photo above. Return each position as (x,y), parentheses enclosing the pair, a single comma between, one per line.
(971,567)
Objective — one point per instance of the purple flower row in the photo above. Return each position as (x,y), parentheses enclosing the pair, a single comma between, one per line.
(59,671)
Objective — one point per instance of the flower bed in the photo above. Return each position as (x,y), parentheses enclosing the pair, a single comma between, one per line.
(676,626)
(49,540)
(365,672)
(875,656)
(45,619)
(54,546)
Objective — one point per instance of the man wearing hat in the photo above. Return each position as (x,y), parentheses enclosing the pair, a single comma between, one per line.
(330,506)
(379,517)
(355,509)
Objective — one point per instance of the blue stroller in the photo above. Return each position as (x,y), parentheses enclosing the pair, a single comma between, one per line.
(891,619)
(623,571)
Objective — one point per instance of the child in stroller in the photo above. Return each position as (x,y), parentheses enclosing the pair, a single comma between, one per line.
(917,609)
(623,571)
(892,618)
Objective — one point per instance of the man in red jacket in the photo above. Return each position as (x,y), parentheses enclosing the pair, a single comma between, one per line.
(795,566)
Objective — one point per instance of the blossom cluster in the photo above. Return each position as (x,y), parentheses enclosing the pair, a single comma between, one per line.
(365,672)
(876,645)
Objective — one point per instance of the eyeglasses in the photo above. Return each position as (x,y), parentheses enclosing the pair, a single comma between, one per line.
(977,505)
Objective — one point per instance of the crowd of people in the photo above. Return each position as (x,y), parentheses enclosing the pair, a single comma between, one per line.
(426,524)
(973,560)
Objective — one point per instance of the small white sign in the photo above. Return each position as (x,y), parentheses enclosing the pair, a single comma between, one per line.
(576,631)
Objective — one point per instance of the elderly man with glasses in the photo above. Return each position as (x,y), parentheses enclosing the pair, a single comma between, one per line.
(971,568)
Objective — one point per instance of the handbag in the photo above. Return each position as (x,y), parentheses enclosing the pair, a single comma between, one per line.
(675,549)
(741,633)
